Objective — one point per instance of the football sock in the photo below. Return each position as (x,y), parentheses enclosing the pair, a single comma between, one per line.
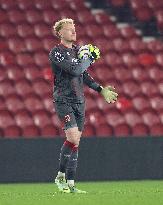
(65,155)
(72,165)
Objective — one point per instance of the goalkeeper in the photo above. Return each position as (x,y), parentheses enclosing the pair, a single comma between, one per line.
(69,63)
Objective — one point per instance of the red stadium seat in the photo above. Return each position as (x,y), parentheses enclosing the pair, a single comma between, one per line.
(4,17)
(104,130)
(30,131)
(149,88)
(7,30)
(42,5)
(118,3)
(2,103)
(33,16)
(155,4)
(7,58)
(111,31)
(137,45)
(156,130)
(89,131)
(16,45)
(132,118)
(42,30)
(122,130)
(102,18)
(160,87)
(8,4)
(121,45)
(103,44)
(12,132)
(77,5)
(24,59)
(59,5)
(15,73)
(50,16)
(95,118)
(41,59)
(25,5)
(49,43)
(6,119)
(33,73)
(33,103)
(114,117)
(25,30)
(6,88)
(131,88)
(156,102)
(93,31)
(144,14)
(139,73)
(155,73)
(49,131)
(23,118)
(85,17)
(16,16)
(41,117)
(150,118)
(129,59)
(128,32)
(140,130)
(113,59)
(41,87)
(122,74)
(14,103)
(159,59)
(141,103)
(48,103)
(33,44)
(23,88)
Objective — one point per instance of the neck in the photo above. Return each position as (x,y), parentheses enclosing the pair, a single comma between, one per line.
(66,43)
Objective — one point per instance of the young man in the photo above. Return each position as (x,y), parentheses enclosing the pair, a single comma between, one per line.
(69,64)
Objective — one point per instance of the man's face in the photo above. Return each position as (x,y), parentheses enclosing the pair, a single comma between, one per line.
(68,32)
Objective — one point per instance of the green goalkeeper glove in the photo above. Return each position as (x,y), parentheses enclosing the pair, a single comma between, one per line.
(109,94)
(94,52)
(89,51)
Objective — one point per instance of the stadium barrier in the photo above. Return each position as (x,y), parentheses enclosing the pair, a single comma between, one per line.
(36,160)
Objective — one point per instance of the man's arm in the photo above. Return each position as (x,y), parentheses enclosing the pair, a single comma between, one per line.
(70,65)
(90,82)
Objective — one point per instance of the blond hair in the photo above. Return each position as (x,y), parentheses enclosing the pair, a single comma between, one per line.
(59,24)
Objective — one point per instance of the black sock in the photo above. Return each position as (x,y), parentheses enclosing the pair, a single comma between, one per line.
(72,164)
(65,155)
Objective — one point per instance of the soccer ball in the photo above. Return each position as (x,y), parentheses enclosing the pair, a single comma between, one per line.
(84,52)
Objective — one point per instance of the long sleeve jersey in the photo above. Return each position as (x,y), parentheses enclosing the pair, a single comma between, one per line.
(70,74)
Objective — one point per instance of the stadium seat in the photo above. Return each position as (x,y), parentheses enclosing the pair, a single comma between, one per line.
(2,103)
(14,103)
(24,59)
(6,119)
(41,59)
(30,131)
(50,16)
(42,5)
(156,102)
(12,132)
(4,18)
(7,30)
(122,130)
(132,118)
(23,118)
(33,44)
(150,118)
(42,30)
(33,16)
(149,88)
(16,45)
(16,16)
(114,117)
(15,73)
(6,88)
(89,131)
(131,88)
(141,102)
(49,131)
(33,103)
(23,88)
(7,58)
(104,130)
(155,73)
(48,103)
(156,130)
(33,73)
(41,117)
(41,87)
(140,130)
(160,87)
(25,30)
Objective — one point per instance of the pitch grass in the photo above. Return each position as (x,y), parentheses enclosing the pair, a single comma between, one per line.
(99,193)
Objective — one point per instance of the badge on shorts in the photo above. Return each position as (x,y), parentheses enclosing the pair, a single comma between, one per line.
(67,118)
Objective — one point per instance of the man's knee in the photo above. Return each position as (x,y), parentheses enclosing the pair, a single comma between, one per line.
(73,135)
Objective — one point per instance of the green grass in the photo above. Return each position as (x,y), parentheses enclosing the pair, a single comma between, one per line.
(99,193)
